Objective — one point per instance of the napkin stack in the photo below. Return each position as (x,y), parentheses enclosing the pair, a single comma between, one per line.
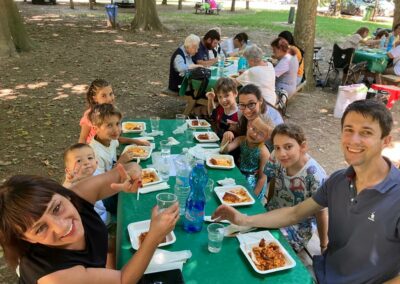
(164,260)
(180,129)
(172,141)
(152,134)
(156,187)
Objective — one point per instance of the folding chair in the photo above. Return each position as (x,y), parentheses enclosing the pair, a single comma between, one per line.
(339,63)
(316,60)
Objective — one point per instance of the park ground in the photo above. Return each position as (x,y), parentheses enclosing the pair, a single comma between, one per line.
(42,93)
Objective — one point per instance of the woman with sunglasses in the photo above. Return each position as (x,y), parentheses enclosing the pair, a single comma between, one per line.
(53,235)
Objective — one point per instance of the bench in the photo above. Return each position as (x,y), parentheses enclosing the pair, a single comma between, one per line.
(390,79)
(206,9)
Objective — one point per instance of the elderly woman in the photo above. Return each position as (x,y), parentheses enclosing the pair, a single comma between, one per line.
(260,73)
(286,67)
(54,235)
(181,61)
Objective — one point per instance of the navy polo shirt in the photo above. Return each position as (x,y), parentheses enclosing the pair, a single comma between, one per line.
(364,230)
(202,53)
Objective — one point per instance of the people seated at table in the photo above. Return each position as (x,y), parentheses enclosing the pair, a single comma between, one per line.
(235,46)
(225,115)
(297,51)
(181,61)
(100,92)
(360,37)
(253,153)
(363,203)
(252,105)
(286,67)
(293,176)
(53,235)
(216,51)
(209,42)
(106,120)
(261,73)
(394,54)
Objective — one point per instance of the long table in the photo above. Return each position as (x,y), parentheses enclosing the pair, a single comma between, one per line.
(377,59)
(228,266)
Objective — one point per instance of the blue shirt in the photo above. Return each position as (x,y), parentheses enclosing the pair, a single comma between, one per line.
(364,230)
(179,63)
(202,54)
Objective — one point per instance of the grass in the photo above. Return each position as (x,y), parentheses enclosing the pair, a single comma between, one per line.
(327,27)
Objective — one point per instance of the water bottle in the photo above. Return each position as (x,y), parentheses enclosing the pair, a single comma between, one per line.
(183,169)
(195,204)
(221,64)
(242,64)
(390,43)
(382,42)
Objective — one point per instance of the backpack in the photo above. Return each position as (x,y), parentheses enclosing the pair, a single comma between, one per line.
(201,74)
(282,98)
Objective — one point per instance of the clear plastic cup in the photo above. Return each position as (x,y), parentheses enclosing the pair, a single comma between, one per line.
(182,192)
(165,148)
(155,123)
(215,237)
(165,200)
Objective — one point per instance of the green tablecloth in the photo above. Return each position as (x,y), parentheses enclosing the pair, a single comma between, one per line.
(228,266)
(377,59)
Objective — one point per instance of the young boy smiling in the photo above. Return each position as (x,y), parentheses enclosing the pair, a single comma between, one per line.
(226,113)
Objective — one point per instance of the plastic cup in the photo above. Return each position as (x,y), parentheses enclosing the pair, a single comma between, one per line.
(209,189)
(180,119)
(165,148)
(155,123)
(165,200)
(215,237)
(189,135)
(182,192)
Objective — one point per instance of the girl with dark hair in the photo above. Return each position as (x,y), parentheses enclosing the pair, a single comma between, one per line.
(235,46)
(54,235)
(296,51)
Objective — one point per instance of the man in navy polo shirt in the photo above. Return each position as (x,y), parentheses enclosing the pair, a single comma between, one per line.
(209,42)
(363,202)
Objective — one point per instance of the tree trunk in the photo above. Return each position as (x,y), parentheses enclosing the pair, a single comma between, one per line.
(247,4)
(71,4)
(13,36)
(375,11)
(304,34)
(179,4)
(233,6)
(338,8)
(396,17)
(146,17)
(164,2)
(91,4)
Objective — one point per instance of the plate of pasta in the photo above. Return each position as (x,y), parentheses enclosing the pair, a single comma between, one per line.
(150,177)
(220,161)
(133,126)
(234,195)
(265,253)
(141,152)
(138,232)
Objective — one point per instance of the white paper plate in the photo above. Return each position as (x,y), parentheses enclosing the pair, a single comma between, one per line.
(157,177)
(141,125)
(144,157)
(212,137)
(228,157)
(252,242)
(135,229)
(202,123)
(220,191)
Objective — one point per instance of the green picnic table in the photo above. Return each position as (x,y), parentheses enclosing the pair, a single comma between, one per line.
(228,266)
(377,59)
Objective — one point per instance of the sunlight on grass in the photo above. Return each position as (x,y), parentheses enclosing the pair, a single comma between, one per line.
(38,85)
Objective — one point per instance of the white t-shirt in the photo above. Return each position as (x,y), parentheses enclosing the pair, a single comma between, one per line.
(395,52)
(106,156)
(264,78)
(351,42)
(286,73)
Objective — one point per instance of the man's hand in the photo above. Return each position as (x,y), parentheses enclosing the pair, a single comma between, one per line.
(131,178)
(224,212)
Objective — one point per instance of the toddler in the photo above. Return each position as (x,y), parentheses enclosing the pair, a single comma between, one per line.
(253,154)
(294,176)
(100,92)
(225,115)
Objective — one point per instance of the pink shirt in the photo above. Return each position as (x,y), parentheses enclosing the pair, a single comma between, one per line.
(86,121)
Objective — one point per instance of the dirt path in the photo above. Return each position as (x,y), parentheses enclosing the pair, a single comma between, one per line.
(42,93)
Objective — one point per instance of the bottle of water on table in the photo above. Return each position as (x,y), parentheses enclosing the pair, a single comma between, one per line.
(221,64)
(242,64)
(382,43)
(390,43)
(195,204)
(182,186)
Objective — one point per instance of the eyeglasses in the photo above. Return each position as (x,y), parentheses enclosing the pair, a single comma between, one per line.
(250,106)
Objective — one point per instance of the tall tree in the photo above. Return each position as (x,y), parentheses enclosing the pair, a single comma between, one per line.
(179,4)
(164,2)
(338,8)
(71,4)
(396,17)
(13,36)
(247,4)
(233,6)
(304,34)
(146,17)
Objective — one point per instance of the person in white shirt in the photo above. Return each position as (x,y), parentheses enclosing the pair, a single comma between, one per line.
(394,54)
(260,73)
(360,37)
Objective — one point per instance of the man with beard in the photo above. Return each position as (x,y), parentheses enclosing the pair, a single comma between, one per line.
(209,42)
(363,203)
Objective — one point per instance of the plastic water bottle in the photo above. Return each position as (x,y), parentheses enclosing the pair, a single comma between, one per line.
(390,43)
(382,43)
(183,169)
(242,64)
(196,202)
(221,64)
